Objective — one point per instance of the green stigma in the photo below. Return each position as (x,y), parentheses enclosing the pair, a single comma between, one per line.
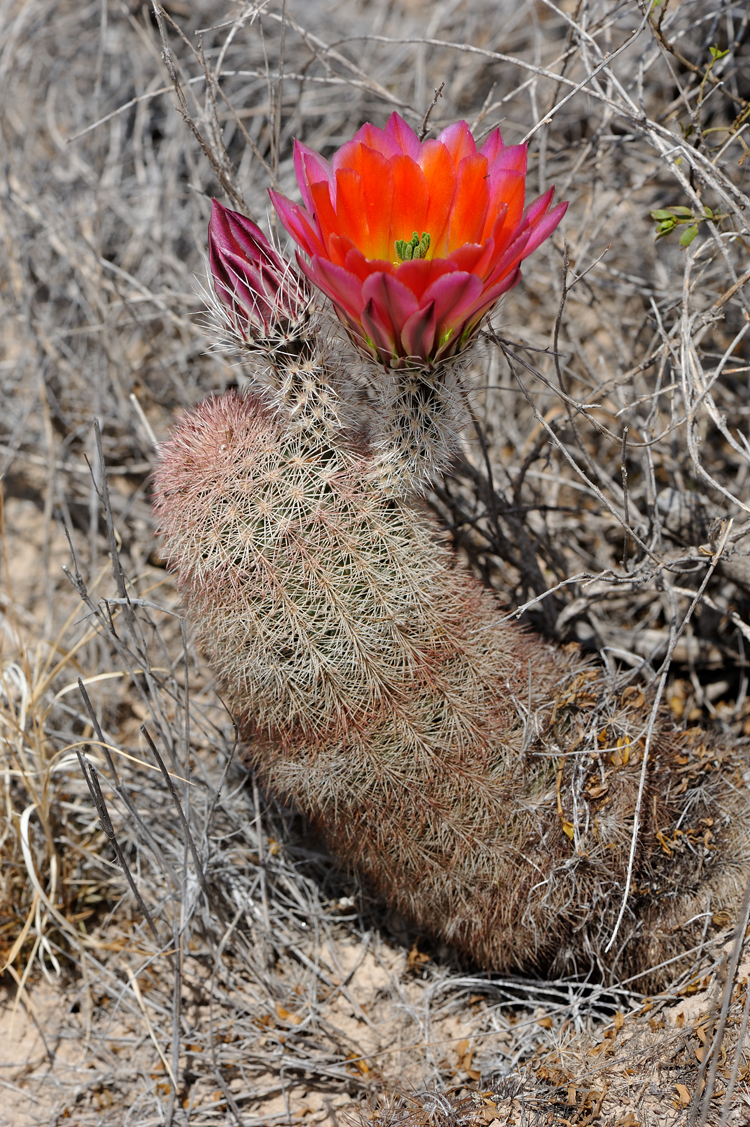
(415,248)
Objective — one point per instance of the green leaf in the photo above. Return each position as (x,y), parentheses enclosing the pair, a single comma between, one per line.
(716,54)
(661,213)
(682,211)
(688,235)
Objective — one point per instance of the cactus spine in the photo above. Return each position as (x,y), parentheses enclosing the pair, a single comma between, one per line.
(449,755)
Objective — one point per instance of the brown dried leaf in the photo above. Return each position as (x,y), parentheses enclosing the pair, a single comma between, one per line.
(286,1015)
(683,1093)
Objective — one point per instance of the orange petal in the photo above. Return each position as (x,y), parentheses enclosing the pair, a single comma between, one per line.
(470,203)
(348,156)
(507,182)
(422,272)
(350,209)
(377,191)
(510,188)
(514,193)
(496,245)
(324,213)
(362,267)
(410,201)
(497,208)
(440,174)
(338,248)
(378,188)
(467,257)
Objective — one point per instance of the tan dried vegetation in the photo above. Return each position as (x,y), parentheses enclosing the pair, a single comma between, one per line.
(250,981)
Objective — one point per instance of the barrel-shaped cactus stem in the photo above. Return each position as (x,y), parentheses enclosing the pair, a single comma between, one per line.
(484,781)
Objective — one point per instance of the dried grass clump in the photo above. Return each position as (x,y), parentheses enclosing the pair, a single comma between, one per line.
(679,1058)
(102,238)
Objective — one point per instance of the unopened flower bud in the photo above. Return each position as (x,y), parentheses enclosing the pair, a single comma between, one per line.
(263,295)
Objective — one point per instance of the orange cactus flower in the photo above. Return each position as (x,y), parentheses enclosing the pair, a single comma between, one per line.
(414,241)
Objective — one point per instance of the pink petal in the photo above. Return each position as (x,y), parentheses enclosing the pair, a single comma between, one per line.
(458,141)
(510,259)
(544,227)
(453,295)
(244,300)
(298,223)
(376,139)
(493,145)
(247,271)
(310,167)
(343,288)
(489,298)
(353,325)
(403,135)
(229,232)
(418,333)
(419,273)
(514,158)
(356,263)
(539,206)
(393,301)
(379,332)
(240,281)
(492,293)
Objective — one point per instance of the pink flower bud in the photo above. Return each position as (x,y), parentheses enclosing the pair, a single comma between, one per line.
(264,297)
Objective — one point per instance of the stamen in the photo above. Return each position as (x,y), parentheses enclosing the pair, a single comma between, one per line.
(415,248)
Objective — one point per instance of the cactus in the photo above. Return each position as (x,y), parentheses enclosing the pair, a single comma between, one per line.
(452,757)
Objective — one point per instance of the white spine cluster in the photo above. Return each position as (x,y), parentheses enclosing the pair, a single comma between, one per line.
(416,432)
